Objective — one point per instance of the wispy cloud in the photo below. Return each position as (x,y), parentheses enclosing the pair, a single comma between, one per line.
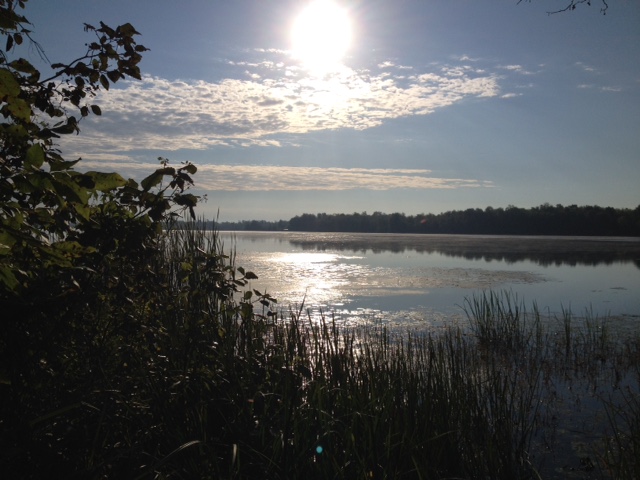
(267,102)
(606,88)
(466,58)
(292,178)
(517,69)
(585,67)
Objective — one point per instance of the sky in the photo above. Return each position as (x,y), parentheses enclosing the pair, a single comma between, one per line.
(419,106)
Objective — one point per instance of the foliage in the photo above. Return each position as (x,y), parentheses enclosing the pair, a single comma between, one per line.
(66,236)
(95,385)
(54,219)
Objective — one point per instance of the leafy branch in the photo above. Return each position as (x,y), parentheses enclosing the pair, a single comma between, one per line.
(54,218)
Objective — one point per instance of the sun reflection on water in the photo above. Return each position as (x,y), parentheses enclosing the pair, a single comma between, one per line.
(316,278)
(323,285)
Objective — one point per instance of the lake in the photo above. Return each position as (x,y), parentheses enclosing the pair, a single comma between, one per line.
(423,280)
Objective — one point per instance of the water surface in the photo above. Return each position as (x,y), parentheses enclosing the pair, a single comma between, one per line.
(413,279)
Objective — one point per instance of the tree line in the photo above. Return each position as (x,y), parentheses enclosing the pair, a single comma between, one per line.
(545,219)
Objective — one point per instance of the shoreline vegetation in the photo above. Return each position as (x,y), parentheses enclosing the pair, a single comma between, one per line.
(188,373)
(545,219)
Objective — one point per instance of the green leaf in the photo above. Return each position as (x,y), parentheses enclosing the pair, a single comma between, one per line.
(70,126)
(105,182)
(8,278)
(22,65)
(190,168)
(69,247)
(83,210)
(133,72)
(9,91)
(20,109)
(104,82)
(114,75)
(35,156)
(6,242)
(60,165)
(151,181)
(68,189)
(9,20)
(8,84)
(127,30)
(186,200)
(96,110)
(250,276)
(41,181)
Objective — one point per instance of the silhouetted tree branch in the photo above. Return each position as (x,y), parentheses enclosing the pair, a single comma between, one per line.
(573,4)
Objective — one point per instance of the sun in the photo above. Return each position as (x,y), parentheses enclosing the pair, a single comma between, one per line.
(321,35)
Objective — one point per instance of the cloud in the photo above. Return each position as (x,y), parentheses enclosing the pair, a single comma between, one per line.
(517,69)
(587,68)
(293,178)
(387,64)
(467,58)
(613,89)
(267,103)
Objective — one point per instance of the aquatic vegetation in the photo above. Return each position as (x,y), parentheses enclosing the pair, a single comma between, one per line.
(195,375)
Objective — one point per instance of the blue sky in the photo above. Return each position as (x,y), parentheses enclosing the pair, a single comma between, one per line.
(436,105)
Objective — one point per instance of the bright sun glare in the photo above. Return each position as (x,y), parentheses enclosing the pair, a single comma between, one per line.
(321,35)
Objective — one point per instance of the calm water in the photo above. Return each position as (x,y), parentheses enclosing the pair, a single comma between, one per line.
(421,280)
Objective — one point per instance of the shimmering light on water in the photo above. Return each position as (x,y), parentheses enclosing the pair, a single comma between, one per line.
(403,280)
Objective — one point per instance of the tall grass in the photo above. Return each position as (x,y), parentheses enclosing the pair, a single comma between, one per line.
(500,320)
(195,375)
(622,452)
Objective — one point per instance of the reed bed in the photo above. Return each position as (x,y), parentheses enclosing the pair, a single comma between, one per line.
(200,376)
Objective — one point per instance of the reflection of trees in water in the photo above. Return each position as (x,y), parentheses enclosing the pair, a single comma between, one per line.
(543,251)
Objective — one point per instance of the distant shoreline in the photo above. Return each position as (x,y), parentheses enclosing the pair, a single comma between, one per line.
(543,249)
(545,220)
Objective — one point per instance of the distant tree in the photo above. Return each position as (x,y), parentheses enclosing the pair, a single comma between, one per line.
(304,222)
(545,219)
